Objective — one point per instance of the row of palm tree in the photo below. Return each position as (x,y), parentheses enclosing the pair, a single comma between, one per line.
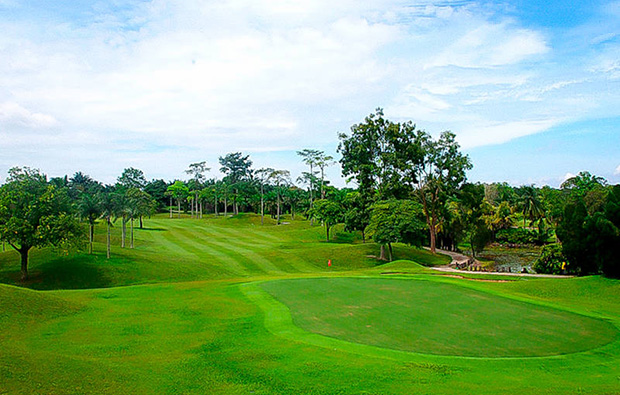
(128,205)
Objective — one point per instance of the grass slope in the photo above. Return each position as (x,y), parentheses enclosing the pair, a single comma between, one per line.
(174,316)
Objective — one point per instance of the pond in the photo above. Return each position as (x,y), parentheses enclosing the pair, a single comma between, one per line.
(512,259)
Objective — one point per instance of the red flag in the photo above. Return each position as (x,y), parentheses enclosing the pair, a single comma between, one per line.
(329,262)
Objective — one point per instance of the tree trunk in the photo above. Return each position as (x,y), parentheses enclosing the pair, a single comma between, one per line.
(141,223)
(382,254)
(278,219)
(215,206)
(327,231)
(91,231)
(179,208)
(391,254)
(433,233)
(170,206)
(131,237)
(108,238)
(262,205)
(226,206)
(200,209)
(23,252)
(124,231)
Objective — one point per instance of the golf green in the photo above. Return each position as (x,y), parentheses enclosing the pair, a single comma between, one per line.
(434,317)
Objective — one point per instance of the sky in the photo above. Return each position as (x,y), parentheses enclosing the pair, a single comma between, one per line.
(531,89)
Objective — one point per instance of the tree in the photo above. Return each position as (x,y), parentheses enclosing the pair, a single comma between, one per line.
(530,204)
(89,210)
(142,204)
(133,204)
(293,196)
(328,212)
(309,157)
(280,178)
(474,214)
(396,221)
(436,168)
(179,191)
(262,177)
(157,190)
(373,156)
(197,170)
(80,183)
(237,169)
(369,156)
(107,203)
(132,178)
(357,215)
(590,235)
(35,214)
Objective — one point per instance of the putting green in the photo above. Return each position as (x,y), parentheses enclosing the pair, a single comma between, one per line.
(432,317)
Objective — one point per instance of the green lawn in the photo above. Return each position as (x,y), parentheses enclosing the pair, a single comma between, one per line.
(190,310)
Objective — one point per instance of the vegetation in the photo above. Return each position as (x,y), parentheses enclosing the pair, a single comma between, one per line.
(215,330)
(34,213)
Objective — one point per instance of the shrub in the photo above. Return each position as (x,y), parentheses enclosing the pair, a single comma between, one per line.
(551,260)
(516,236)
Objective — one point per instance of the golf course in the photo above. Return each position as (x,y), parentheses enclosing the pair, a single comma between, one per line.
(225,305)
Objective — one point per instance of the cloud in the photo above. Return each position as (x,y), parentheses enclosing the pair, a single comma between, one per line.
(617,171)
(12,115)
(147,79)
(491,45)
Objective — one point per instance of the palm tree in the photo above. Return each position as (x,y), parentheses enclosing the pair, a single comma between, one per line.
(107,203)
(530,204)
(89,209)
(262,176)
(280,178)
(179,191)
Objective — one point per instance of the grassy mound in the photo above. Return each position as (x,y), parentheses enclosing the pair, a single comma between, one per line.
(435,318)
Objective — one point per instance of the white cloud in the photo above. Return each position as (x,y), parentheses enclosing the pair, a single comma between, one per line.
(617,171)
(213,77)
(12,115)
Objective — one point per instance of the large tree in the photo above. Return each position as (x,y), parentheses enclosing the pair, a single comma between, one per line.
(436,169)
(371,156)
(35,214)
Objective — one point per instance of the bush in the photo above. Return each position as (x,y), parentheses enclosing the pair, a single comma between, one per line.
(516,236)
(551,260)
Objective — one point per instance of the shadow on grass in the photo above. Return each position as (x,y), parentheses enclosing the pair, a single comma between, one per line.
(72,272)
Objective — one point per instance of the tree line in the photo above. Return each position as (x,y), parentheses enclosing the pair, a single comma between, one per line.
(407,187)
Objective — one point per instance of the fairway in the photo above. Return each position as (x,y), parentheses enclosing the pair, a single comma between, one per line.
(431,317)
(227,306)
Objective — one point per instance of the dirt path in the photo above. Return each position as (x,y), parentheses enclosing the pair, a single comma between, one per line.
(459,259)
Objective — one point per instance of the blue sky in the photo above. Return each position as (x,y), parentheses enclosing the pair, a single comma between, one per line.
(532,89)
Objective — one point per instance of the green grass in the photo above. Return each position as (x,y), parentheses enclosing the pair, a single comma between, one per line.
(432,317)
(186,312)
